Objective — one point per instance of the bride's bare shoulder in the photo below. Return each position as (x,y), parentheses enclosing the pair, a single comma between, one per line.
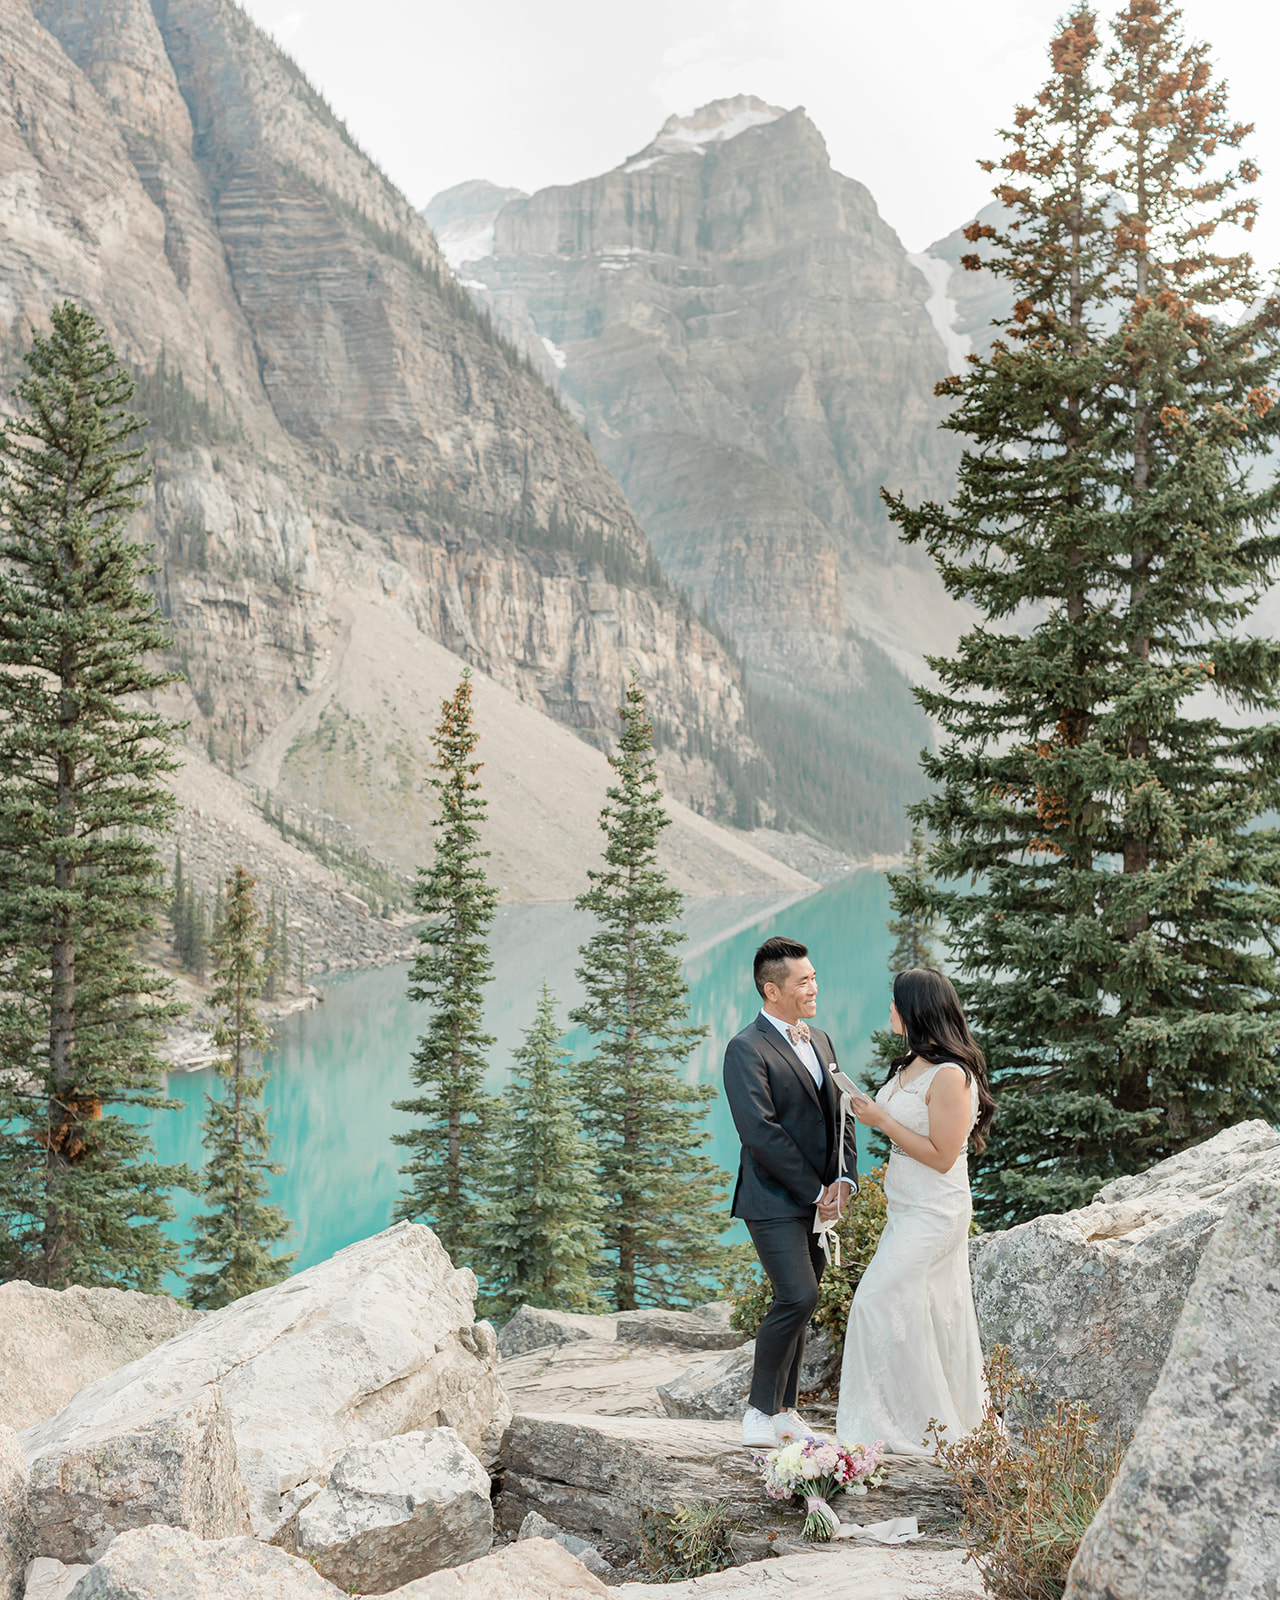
(952,1079)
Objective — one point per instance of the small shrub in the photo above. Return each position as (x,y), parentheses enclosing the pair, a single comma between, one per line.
(859,1229)
(693,1541)
(1031,1479)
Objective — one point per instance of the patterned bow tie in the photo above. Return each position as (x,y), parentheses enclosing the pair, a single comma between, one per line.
(798,1032)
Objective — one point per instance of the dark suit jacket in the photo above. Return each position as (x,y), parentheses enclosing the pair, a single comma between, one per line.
(787,1127)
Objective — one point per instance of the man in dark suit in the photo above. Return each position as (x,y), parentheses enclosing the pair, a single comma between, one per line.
(785,1108)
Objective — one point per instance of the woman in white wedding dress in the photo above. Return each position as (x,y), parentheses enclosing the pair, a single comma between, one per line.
(911,1351)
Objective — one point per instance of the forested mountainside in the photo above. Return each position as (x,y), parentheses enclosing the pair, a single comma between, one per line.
(754,354)
(337,435)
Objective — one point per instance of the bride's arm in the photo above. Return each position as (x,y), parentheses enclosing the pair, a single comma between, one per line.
(949,1112)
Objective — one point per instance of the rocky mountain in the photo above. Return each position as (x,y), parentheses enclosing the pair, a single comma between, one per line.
(754,354)
(344,451)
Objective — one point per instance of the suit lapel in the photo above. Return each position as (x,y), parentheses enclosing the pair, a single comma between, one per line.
(782,1049)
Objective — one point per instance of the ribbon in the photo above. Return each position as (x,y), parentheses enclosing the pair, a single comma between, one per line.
(828,1238)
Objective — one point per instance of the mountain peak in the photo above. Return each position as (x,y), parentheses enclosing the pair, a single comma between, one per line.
(713,123)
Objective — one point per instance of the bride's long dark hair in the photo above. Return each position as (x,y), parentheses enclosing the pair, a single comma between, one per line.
(929,1009)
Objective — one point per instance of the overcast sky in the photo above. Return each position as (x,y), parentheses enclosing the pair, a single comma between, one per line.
(537,92)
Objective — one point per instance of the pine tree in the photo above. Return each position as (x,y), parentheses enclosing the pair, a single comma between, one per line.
(1116,948)
(542,1221)
(236,1236)
(271,962)
(662,1197)
(915,929)
(83,762)
(451,1143)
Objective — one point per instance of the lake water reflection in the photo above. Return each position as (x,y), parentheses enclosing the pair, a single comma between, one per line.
(336,1070)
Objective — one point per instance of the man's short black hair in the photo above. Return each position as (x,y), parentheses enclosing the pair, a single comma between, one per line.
(770,964)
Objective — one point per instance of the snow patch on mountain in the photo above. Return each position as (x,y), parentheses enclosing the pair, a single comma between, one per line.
(714,123)
(558,358)
(942,308)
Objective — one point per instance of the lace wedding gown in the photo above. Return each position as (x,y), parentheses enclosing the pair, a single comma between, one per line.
(912,1351)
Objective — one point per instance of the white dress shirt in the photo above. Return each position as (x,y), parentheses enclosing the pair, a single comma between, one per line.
(809,1057)
(804,1049)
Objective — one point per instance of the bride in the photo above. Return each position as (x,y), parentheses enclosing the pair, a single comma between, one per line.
(911,1350)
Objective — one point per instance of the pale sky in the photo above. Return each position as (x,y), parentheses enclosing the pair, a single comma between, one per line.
(908,96)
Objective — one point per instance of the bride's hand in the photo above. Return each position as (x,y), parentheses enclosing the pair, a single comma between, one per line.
(868,1112)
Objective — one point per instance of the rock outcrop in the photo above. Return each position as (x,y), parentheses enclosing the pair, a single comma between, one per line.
(594,1476)
(159,1563)
(834,1573)
(1195,1508)
(396,1510)
(1089,1299)
(54,1341)
(174,1464)
(533,1328)
(16,1543)
(51,1580)
(685,1330)
(536,1526)
(536,1569)
(376,1341)
(716,1387)
(330,419)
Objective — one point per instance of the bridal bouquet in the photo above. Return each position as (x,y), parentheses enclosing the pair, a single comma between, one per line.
(816,1471)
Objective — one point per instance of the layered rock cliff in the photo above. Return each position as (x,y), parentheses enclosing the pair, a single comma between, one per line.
(336,434)
(754,355)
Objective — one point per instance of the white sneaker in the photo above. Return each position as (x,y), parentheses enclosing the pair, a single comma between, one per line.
(757,1429)
(789,1425)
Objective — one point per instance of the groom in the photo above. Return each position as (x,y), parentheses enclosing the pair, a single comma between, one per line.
(784,1108)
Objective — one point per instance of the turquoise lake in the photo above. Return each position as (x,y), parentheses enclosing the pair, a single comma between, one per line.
(336,1070)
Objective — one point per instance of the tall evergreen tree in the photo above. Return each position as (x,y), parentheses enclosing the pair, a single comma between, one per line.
(1116,952)
(662,1197)
(542,1221)
(915,928)
(83,762)
(450,1145)
(235,1238)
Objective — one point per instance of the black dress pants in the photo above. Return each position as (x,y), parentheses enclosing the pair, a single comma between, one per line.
(793,1261)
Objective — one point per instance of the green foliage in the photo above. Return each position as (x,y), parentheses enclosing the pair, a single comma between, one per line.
(236,1236)
(1031,1478)
(370,879)
(859,1230)
(277,958)
(451,1143)
(646,1123)
(689,1542)
(915,929)
(189,920)
(542,1217)
(83,763)
(173,413)
(841,765)
(1105,865)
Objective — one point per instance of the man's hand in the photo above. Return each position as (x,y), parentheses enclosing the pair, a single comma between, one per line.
(832,1202)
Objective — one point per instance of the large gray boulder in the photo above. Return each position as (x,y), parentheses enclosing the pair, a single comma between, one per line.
(54,1341)
(534,1328)
(535,1569)
(159,1563)
(174,1464)
(1088,1299)
(396,1510)
(1194,1512)
(16,1545)
(376,1341)
(686,1330)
